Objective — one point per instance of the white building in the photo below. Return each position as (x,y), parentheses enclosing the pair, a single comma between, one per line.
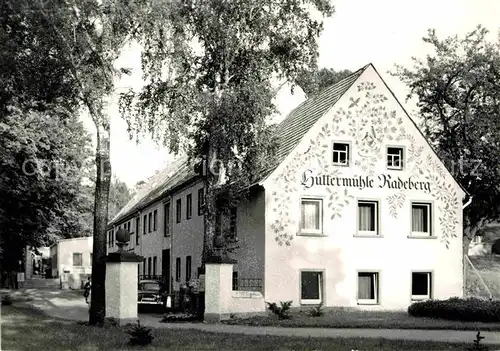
(359,210)
(72,261)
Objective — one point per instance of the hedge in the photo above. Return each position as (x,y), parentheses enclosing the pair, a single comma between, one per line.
(459,309)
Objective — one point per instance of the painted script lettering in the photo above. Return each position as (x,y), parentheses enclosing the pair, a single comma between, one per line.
(362,182)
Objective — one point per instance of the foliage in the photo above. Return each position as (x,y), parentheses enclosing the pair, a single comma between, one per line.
(477,344)
(43,147)
(313,81)
(457,87)
(89,36)
(140,335)
(209,69)
(119,196)
(461,309)
(316,311)
(282,311)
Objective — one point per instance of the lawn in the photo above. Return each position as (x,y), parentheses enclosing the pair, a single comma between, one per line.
(26,329)
(349,318)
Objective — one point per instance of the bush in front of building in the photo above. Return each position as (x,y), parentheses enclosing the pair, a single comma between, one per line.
(282,311)
(458,309)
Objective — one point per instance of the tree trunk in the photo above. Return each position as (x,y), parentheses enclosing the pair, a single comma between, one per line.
(209,210)
(98,308)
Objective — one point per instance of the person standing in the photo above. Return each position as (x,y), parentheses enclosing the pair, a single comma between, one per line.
(87,288)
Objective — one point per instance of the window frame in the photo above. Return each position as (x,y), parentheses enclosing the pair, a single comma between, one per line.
(430,284)
(188,268)
(201,201)
(150,222)
(402,157)
(349,152)
(430,220)
(137,229)
(313,232)
(368,233)
(166,219)
(73,259)
(321,287)
(178,210)
(189,206)
(376,300)
(155,220)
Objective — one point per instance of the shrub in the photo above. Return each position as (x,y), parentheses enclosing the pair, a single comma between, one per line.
(6,300)
(468,309)
(140,335)
(477,346)
(316,311)
(283,311)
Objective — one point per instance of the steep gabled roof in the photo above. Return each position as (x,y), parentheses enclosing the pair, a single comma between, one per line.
(175,174)
(293,128)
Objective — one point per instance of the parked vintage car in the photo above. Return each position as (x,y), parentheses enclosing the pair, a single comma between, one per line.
(150,292)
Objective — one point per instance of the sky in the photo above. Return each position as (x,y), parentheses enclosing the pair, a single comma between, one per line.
(382,32)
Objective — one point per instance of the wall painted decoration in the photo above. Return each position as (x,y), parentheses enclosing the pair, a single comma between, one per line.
(370,126)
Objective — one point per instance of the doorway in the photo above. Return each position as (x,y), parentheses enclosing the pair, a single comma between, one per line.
(165,269)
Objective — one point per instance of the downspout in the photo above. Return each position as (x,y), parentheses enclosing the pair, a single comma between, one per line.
(465,254)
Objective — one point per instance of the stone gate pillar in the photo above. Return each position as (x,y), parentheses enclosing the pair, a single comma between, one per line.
(121,282)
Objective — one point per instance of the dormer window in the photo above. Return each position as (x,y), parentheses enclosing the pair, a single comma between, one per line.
(341,154)
(395,158)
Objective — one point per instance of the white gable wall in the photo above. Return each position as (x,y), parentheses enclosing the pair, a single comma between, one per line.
(339,253)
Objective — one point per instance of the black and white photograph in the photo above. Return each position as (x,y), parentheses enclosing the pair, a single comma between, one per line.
(250,175)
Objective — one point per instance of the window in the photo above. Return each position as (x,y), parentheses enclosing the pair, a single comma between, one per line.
(144,267)
(235,280)
(150,222)
(144,224)
(311,216)
(154,265)
(128,226)
(149,265)
(232,222)
(166,219)
(201,201)
(188,268)
(368,217)
(178,210)
(421,219)
(77,259)
(109,238)
(421,285)
(137,226)
(311,287)
(341,154)
(395,158)
(155,219)
(189,206)
(178,269)
(367,288)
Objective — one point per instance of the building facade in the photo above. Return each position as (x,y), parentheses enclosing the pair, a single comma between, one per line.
(71,261)
(359,211)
